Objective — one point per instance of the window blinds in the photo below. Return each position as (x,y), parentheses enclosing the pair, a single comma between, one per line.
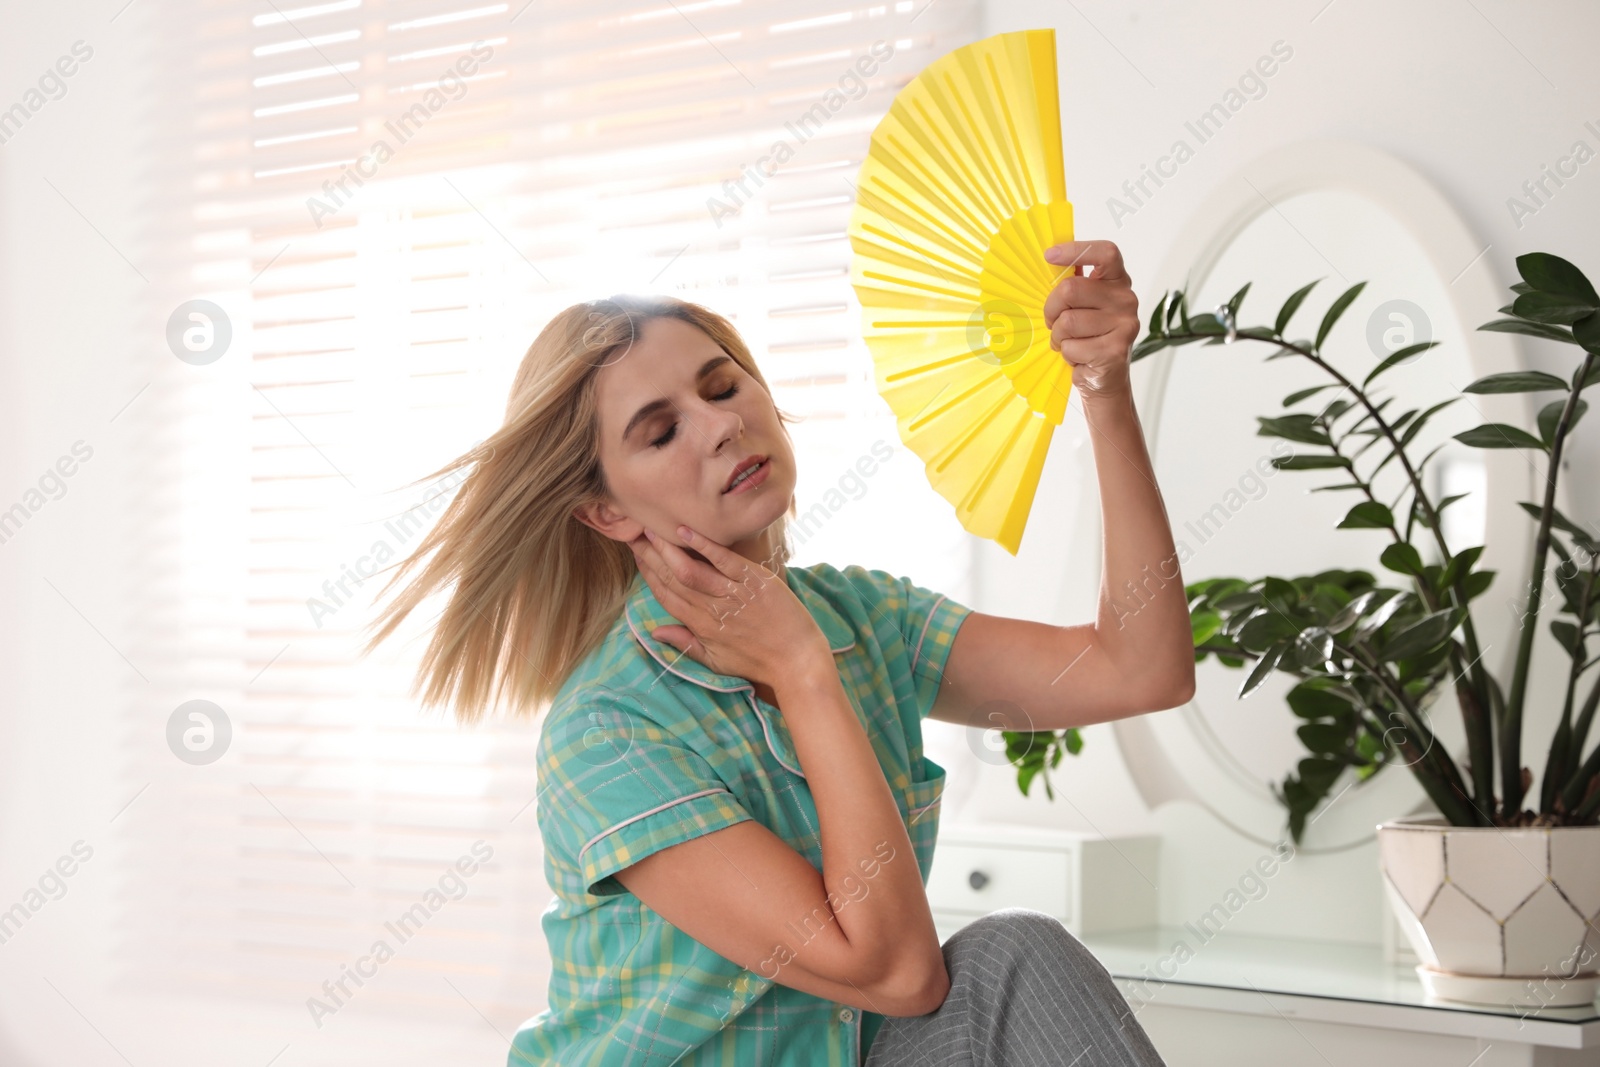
(388,198)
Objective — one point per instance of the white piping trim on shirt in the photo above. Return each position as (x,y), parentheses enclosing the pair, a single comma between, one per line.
(747,689)
(917,655)
(645,814)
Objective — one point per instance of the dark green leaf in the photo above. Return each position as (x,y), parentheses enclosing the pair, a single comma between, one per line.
(1517,381)
(1314,700)
(1265,630)
(1290,306)
(1335,488)
(1318,773)
(1258,674)
(1149,346)
(1238,601)
(1567,634)
(1422,636)
(1294,398)
(1351,612)
(1335,409)
(1397,358)
(1548,273)
(1238,299)
(1387,610)
(1279,594)
(1393,452)
(1324,737)
(1336,310)
(1530,329)
(1402,558)
(1460,563)
(1204,624)
(1313,647)
(1367,515)
(1586,539)
(1299,427)
(1173,308)
(1422,420)
(1550,415)
(1424,464)
(1550,308)
(1308,463)
(1498,435)
(1156,317)
(1477,583)
(1377,409)
(1592,378)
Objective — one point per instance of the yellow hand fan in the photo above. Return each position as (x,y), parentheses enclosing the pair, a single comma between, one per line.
(961,191)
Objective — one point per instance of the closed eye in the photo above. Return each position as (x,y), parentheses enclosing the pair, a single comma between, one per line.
(672,431)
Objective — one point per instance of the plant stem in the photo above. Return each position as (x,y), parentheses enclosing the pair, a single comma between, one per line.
(1580,731)
(1442,779)
(1511,726)
(1559,763)
(1480,738)
(1572,798)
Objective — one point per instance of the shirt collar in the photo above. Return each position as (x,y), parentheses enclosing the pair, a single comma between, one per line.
(645,613)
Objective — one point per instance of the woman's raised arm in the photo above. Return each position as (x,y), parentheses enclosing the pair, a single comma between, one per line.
(1138,654)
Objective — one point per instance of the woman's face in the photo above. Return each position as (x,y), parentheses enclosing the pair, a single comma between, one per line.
(678,419)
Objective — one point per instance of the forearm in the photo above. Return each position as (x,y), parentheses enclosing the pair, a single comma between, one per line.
(1142,621)
(869,870)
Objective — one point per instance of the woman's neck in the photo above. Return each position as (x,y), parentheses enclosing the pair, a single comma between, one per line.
(766,549)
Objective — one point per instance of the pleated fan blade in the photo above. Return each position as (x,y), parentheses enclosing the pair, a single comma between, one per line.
(960,193)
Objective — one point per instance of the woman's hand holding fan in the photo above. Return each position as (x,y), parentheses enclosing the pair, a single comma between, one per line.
(1094,319)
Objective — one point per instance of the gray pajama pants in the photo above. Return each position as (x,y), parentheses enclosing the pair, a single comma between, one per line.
(1023,993)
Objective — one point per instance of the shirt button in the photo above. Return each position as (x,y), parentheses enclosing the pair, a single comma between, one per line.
(845,1015)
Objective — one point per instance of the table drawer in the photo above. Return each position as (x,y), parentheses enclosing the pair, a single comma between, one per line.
(978,879)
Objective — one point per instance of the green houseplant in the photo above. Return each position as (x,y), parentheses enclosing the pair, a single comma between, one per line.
(1368,655)
(1497,896)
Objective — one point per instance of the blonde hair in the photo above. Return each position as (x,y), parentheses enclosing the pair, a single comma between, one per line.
(535,590)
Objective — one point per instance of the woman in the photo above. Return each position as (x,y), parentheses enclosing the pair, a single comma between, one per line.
(731,768)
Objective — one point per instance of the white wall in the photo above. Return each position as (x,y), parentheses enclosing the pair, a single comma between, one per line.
(69,350)
(1477,97)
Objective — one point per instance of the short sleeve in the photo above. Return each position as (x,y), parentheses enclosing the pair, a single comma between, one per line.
(615,787)
(926,620)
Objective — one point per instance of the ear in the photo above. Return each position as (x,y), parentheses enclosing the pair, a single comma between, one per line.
(607,520)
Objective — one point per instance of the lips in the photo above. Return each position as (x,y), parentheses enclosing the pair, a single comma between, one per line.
(741,467)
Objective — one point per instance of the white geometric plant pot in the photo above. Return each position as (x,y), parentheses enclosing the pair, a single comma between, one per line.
(1504,917)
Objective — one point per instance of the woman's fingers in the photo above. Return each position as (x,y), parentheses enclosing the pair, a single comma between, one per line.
(698,610)
(659,579)
(728,562)
(691,573)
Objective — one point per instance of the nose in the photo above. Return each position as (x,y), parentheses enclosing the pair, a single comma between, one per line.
(723,424)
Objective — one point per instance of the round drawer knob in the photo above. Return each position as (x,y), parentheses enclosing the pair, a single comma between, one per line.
(977,879)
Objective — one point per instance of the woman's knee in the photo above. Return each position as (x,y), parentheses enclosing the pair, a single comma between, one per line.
(1018,933)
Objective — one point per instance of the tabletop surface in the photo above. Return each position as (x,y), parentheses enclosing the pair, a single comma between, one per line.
(1185,956)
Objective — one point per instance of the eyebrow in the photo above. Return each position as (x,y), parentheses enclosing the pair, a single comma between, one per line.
(657,405)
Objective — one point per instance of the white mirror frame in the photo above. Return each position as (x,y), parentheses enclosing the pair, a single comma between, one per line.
(1462,262)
